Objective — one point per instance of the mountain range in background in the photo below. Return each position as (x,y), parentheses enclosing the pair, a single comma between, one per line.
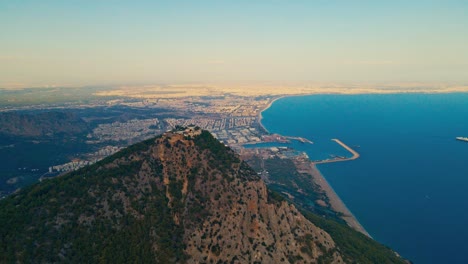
(44,124)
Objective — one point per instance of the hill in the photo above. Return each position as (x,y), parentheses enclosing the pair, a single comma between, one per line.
(45,124)
(182,197)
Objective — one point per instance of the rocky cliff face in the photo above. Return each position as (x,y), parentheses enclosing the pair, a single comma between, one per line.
(235,220)
(182,197)
(187,197)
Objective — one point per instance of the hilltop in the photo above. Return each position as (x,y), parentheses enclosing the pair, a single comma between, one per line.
(46,124)
(182,197)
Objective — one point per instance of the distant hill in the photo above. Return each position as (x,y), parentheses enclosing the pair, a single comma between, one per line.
(45,124)
(182,197)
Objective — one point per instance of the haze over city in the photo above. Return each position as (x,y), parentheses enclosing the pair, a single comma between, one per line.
(77,43)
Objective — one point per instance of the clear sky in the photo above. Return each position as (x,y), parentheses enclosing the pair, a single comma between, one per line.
(111,42)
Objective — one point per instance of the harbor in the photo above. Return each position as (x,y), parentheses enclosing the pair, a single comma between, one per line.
(339,158)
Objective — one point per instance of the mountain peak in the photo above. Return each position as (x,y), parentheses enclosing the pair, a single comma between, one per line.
(180,197)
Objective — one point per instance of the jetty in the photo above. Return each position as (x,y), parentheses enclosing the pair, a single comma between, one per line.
(300,139)
(339,158)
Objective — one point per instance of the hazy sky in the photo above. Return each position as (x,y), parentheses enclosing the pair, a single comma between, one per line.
(110,42)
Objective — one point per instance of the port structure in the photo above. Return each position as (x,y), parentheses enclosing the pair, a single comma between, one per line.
(338,159)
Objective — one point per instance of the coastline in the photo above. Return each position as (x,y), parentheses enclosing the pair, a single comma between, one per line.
(260,117)
(335,201)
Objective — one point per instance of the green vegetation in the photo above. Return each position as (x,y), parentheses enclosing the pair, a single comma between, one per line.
(275,197)
(55,95)
(221,156)
(283,178)
(354,246)
(131,207)
(40,125)
(78,218)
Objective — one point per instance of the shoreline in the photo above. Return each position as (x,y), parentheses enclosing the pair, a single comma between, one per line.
(260,117)
(334,200)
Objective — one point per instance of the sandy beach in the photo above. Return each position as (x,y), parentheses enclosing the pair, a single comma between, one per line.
(260,117)
(335,202)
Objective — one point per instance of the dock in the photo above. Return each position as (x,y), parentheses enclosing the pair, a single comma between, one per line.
(300,139)
(338,159)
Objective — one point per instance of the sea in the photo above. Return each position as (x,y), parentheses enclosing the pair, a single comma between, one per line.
(409,188)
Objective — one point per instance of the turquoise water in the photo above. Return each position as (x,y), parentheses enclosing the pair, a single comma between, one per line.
(409,188)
